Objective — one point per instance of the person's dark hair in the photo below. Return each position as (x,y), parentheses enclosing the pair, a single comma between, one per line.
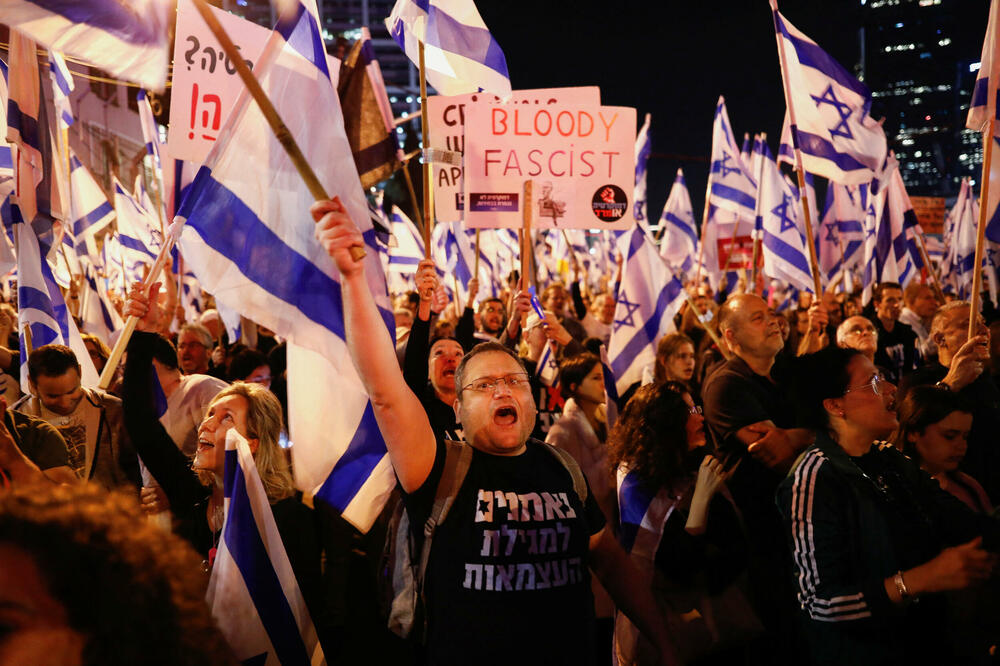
(820,376)
(51,361)
(244,362)
(650,436)
(667,347)
(164,352)
(880,288)
(503,308)
(924,406)
(592,345)
(135,592)
(573,370)
(481,348)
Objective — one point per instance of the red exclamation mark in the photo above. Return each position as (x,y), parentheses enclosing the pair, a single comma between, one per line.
(194,109)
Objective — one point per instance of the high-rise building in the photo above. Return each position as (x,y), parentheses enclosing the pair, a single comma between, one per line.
(919,58)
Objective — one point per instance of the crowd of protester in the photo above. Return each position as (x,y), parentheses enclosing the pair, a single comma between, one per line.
(817,484)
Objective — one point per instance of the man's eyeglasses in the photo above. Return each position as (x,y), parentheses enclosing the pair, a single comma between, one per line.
(874,384)
(695,409)
(515,381)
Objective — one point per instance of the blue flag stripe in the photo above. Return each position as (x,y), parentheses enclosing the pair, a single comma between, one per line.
(93,216)
(247,549)
(354,467)
(111,16)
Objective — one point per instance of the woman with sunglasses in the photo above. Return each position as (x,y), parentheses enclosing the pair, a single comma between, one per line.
(870,532)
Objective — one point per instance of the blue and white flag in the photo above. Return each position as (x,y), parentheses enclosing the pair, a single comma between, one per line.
(836,137)
(611,398)
(679,235)
(733,187)
(648,298)
(746,148)
(643,147)
(127,38)
(41,308)
(460,54)
(989,75)
(98,315)
(454,257)
(786,253)
(249,238)
(138,234)
(547,368)
(962,242)
(62,86)
(841,234)
(407,252)
(90,211)
(6,161)
(252,592)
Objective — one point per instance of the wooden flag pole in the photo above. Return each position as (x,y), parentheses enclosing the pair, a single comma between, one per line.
(425,131)
(526,244)
(281,131)
(984,198)
(756,239)
(475,273)
(704,225)
(116,353)
(935,282)
(799,171)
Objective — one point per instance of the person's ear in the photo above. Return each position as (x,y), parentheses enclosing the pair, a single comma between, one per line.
(834,406)
(457,406)
(254,444)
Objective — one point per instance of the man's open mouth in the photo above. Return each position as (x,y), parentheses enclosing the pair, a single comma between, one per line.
(506,415)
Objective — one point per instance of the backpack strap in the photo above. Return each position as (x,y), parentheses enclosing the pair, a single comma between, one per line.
(563,456)
(457,458)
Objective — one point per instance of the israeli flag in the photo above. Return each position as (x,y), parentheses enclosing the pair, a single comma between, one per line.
(460,54)
(783,243)
(407,252)
(611,398)
(892,254)
(90,210)
(137,233)
(547,368)
(453,249)
(989,71)
(42,312)
(786,153)
(841,234)
(98,315)
(993,205)
(6,156)
(733,187)
(127,38)
(62,86)
(151,135)
(252,592)
(679,239)
(835,135)
(963,244)
(249,238)
(643,147)
(648,298)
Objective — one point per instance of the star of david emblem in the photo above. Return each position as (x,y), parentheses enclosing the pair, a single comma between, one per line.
(629,318)
(843,110)
(781,210)
(726,170)
(831,235)
(637,210)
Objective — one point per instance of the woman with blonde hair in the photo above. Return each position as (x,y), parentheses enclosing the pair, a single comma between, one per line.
(194,488)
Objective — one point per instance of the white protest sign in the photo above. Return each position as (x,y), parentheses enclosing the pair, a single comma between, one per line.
(446,124)
(205,83)
(580,157)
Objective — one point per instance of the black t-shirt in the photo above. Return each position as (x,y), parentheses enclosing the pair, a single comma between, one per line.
(507,581)
(897,350)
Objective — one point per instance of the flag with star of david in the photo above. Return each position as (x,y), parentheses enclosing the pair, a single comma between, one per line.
(648,298)
(836,137)
(783,242)
(888,217)
(733,188)
(989,71)
(679,234)
(643,147)
(840,235)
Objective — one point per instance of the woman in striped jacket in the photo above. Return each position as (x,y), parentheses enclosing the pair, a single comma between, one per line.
(870,532)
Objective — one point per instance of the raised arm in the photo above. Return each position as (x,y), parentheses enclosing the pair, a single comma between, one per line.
(404,425)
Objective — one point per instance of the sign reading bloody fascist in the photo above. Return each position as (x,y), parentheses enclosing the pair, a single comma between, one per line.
(446,117)
(580,158)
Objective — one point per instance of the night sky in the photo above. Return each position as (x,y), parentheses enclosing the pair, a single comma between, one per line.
(671,59)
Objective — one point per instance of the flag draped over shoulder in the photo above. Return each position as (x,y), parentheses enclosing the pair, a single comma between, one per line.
(249,238)
(679,239)
(460,54)
(836,137)
(367,114)
(127,38)
(253,593)
(648,298)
